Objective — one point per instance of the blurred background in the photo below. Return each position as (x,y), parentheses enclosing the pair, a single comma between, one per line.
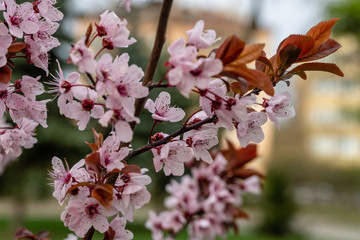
(312,163)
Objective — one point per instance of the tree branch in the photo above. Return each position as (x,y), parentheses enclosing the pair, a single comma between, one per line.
(182,130)
(156,52)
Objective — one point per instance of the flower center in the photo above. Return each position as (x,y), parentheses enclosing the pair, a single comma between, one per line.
(88,104)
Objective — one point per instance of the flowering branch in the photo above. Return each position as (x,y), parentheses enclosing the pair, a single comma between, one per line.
(156,52)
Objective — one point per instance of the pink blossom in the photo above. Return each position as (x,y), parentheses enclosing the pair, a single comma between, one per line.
(107,70)
(82,111)
(125,3)
(65,178)
(130,192)
(279,106)
(172,156)
(118,226)
(252,185)
(63,88)
(161,110)
(83,57)
(5,42)
(115,31)
(124,89)
(35,110)
(181,56)
(37,54)
(201,142)
(200,38)
(251,129)
(10,100)
(82,214)
(120,119)
(20,18)
(47,10)
(29,86)
(110,155)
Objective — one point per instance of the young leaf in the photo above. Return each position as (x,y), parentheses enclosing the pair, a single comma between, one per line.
(16,47)
(253,77)
(317,66)
(250,53)
(321,32)
(104,194)
(322,51)
(230,49)
(92,161)
(5,74)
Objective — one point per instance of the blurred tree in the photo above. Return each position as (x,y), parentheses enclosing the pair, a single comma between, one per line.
(349,12)
(278,204)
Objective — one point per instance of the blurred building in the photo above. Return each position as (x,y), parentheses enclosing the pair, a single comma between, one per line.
(329,109)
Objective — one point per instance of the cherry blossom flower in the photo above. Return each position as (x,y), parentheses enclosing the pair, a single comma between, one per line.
(5,42)
(161,110)
(110,155)
(117,225)
(201,142)
(115,31)
(29,86)
(172,156)
(130,193)
(63,88)
(120,119)
(199,38)
(252,185)
(125,89)
(20,18)
(83,57)
(82,111)
(82,214)
(65,178)
(279,106)
(10,100)
(126,4)
(251,129)
(47,10)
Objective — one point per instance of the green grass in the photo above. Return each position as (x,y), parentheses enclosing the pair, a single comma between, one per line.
(59,232)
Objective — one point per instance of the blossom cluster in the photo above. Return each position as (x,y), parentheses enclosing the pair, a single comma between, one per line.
(206,202)
(91,199)
(25,33)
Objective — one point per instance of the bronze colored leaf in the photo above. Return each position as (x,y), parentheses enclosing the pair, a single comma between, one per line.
(16,47)
(230,49)
(88,34)
(322,31)
(104,194)
(23,233)
(5,74)
(92,161)
(322,51)
(253,77)
(131,168)
(318,66)
(250,53)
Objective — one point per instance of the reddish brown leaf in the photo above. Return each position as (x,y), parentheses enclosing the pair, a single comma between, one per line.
(305,43)
(22,233)
(92,160)
(253,77)
(264,65)
(88,34)
(318,66)
(16,47)
(98,137)
(5,74)
(322,31)
(288,55)
(290,75)
(94,147)
(239,157)
(322,51)
(230,49)
(240,214)
(250,53)
(104,194)
(131,168)
(237,88)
